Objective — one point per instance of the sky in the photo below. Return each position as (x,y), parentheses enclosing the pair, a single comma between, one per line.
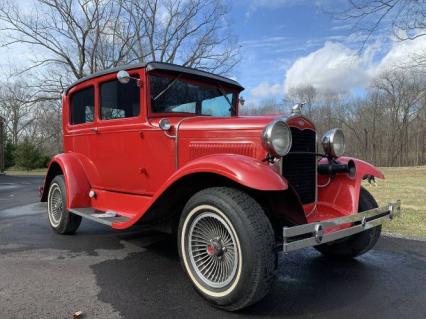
(288,43)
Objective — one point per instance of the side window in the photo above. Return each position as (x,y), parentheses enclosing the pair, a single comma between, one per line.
(83,106)
(119,100)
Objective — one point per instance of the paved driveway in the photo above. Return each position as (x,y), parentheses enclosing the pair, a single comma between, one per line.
(136,274)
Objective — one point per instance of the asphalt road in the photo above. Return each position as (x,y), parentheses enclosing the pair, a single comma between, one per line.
(136,273)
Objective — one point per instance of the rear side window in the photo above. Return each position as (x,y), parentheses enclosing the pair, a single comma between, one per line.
(119,100)
(83,106)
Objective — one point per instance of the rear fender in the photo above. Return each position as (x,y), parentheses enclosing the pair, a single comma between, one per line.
(339,196)
(76,181)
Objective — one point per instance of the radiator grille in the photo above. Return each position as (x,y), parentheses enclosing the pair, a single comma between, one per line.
(299,168)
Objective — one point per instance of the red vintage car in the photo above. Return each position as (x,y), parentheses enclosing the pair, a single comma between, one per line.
(163,145)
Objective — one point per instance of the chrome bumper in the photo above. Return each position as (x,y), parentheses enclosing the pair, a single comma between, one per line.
(308,235)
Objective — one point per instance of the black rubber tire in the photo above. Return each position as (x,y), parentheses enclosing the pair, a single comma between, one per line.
(69,222)
(357,244)
(257,246)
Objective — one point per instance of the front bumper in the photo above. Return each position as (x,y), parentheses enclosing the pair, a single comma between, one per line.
(308,235)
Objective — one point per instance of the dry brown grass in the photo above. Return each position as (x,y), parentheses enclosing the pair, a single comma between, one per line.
(19,172)
(409,185)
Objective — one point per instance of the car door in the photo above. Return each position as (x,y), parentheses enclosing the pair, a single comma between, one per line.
(118,152)
(80,126)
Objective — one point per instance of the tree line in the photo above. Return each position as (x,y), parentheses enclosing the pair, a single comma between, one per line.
(386,125)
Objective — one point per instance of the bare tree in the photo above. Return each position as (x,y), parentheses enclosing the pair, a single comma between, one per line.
(406,18)
(46,129)
(16,108)
(79,37)
(192,33)
(402,92)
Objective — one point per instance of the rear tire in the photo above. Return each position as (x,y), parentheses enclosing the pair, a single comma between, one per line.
(357,244)
(61,221)
(226,245)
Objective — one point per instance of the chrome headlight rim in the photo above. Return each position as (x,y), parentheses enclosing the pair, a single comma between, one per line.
(267,138)
(329,145)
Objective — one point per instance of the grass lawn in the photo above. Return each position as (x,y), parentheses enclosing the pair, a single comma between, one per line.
(409,185)
(19,172)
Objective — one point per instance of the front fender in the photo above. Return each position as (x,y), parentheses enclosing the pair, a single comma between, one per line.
(76,181)
(339,196)
(243,170)
(363,169)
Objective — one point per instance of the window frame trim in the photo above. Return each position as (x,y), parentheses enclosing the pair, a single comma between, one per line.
(112,77)
(187,78)
(78,90)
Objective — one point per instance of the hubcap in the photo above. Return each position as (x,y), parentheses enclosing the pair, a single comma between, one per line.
(212,250)
(55,205)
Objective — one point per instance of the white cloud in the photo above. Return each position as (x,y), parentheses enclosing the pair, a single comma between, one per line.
(265,89)
(333,66)
(336,67)
(400,54)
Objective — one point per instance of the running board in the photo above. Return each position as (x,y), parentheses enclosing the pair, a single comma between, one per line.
(108,218)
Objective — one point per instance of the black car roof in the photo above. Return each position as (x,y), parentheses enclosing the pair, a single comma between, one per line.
(162,66)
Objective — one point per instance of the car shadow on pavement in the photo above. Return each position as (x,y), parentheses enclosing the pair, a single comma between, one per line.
(152,283)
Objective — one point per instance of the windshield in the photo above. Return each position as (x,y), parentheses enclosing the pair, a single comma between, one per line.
(176,95)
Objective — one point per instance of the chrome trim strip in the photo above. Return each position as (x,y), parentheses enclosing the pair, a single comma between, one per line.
(376,216)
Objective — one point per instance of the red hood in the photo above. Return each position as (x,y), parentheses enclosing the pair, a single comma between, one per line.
(200,136)
(240,122)
(227,123)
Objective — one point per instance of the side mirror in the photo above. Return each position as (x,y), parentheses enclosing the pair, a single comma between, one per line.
(242,101)
(123,77)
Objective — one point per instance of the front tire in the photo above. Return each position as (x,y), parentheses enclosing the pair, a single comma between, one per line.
(357,244)
(61,221)
(226,245)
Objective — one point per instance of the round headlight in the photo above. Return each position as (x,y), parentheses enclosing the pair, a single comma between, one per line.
(333,142)
(277,138)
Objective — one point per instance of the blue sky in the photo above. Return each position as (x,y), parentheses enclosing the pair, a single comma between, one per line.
(290,43)
(273,36)
(285,43)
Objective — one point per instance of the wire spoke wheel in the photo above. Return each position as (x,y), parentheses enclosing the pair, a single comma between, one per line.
(213,250)
(226,246)
(55,205)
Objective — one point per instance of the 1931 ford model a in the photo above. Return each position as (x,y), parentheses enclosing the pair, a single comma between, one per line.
(163,144)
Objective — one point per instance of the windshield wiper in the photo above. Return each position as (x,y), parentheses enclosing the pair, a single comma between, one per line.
(222,91)
(171,83)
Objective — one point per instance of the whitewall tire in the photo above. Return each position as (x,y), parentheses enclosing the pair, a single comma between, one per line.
(60,220)
(226,244)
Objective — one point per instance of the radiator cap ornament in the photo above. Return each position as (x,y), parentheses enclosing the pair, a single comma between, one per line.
(297,109)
